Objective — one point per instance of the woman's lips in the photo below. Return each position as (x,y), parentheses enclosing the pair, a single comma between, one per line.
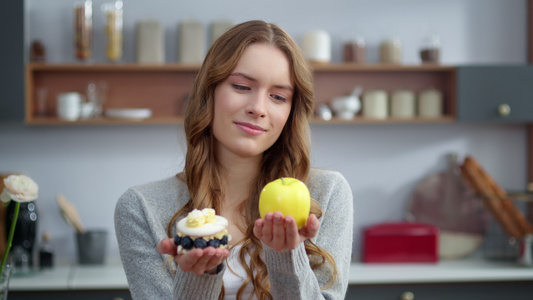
(250,129)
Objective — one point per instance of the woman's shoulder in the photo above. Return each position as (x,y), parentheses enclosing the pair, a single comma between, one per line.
(159,193)
(324,184)
(325,177)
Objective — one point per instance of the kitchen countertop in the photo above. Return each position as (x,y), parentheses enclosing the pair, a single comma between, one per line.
(466,270)
(71,276)
(110,276)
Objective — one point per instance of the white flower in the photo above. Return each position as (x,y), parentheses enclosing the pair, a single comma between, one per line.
(19,188)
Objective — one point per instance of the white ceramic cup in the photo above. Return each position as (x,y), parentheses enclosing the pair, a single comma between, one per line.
(69,106)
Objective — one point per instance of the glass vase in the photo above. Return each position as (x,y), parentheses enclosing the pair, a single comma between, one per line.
(4,281)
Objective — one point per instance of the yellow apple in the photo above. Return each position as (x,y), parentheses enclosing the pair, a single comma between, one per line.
(288,195)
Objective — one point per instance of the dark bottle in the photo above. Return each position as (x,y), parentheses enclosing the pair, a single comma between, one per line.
(46,253)
(26,227)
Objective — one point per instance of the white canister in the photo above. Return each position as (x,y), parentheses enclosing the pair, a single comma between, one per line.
(390,51)
(191,42)
(150,42)
(68,106)
(403,104)
(316,46)
(219,27)
(430,103)
(375,104)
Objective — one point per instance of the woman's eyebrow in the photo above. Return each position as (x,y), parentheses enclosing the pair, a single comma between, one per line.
(248,77)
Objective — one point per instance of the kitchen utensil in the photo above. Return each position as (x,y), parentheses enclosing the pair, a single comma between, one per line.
(496,199)
(97,95)
(445,200)
(129,113)
(324,112)
(91,246)
(345,107)
(70,213)
(69,106)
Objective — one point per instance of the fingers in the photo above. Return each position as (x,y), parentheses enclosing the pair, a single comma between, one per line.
(166,246)
(281,233)
(292,236)
(258,228)
(310,230)
(200,261)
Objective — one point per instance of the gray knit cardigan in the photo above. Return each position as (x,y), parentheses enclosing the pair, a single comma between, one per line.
(143,212)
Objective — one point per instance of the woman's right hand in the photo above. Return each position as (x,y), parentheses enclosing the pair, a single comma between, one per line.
(198,261)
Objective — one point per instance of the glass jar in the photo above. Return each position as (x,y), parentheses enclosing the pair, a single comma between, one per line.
(113,29)
(354,49)
(430,50)
(83,30)
(391,51)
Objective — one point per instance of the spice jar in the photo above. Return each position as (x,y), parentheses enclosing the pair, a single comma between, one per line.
(83,30)
(375,104)
(430,103)
(354,50)
(403,104)
(390,51)
(430,50)
(113,29)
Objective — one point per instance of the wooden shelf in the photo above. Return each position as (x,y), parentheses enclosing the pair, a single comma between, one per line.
(164,88)
(179,120)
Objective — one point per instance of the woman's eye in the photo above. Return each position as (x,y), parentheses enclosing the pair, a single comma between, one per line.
(240,87)
(279,98)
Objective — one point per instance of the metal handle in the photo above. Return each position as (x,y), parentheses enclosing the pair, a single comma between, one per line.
(504,110)
(408,296)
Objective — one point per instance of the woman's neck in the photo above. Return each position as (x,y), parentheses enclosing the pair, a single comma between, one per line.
(238,177)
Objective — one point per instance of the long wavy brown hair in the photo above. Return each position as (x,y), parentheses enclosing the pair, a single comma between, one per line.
(288,157)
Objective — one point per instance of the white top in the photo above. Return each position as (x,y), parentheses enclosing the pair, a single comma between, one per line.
(235,275)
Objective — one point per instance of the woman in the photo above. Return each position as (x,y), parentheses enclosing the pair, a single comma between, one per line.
(246,124)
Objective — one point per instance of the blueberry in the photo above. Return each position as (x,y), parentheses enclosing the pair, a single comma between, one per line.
(224,240)
(214,243)
(186,243)
(200,243)
(177,240)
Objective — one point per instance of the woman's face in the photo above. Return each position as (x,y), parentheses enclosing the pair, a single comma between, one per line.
(253,104)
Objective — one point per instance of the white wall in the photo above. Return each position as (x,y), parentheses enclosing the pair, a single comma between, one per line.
(93,165)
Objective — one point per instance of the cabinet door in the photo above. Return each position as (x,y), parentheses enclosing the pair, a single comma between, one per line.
(12,60)
(521,290)
(495,93)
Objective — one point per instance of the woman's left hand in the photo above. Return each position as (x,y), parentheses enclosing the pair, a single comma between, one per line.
(282,233)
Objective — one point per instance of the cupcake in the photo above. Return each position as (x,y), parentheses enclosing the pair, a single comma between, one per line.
(201,229)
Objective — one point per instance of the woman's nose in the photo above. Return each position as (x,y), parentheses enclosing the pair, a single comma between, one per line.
(257,106)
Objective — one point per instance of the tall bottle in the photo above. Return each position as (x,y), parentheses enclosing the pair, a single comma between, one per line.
(46,253)
(113,29)
(83,30)
(26,228)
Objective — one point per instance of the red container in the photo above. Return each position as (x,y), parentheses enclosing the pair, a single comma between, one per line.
(401,242)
